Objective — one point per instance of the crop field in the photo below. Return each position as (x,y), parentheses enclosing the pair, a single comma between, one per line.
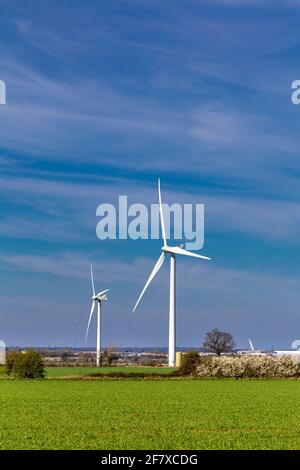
(150,414)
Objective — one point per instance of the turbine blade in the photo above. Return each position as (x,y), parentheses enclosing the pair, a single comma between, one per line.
(156,268)
(90,317)
(163,229)
(251,345)
(103,292)
(181,251)
(92,279)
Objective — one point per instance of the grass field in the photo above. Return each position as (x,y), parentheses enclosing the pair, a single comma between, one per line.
(138,414)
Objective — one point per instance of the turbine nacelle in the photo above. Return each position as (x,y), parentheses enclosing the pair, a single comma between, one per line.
(100,298)
(167,248)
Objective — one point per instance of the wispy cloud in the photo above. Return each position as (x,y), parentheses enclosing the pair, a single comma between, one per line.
(45,116)
(220,128)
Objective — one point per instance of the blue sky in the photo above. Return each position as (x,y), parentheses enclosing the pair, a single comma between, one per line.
(104,97)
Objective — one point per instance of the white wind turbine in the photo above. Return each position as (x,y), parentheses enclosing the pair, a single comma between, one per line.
(172,251)
(96,298)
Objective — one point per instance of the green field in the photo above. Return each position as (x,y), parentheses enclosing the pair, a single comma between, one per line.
(146,414)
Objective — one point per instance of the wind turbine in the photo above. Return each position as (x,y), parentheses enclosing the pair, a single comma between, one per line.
(96,298)
(251,345)
(172,251)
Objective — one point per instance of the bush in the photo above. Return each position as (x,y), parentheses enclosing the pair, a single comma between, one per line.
(28,365)
(248,366)
(10,360)
(190,361)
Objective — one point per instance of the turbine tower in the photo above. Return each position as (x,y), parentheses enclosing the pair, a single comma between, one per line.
(96,298)
(172,251)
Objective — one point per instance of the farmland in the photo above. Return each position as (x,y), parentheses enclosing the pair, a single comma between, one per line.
(146,414)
